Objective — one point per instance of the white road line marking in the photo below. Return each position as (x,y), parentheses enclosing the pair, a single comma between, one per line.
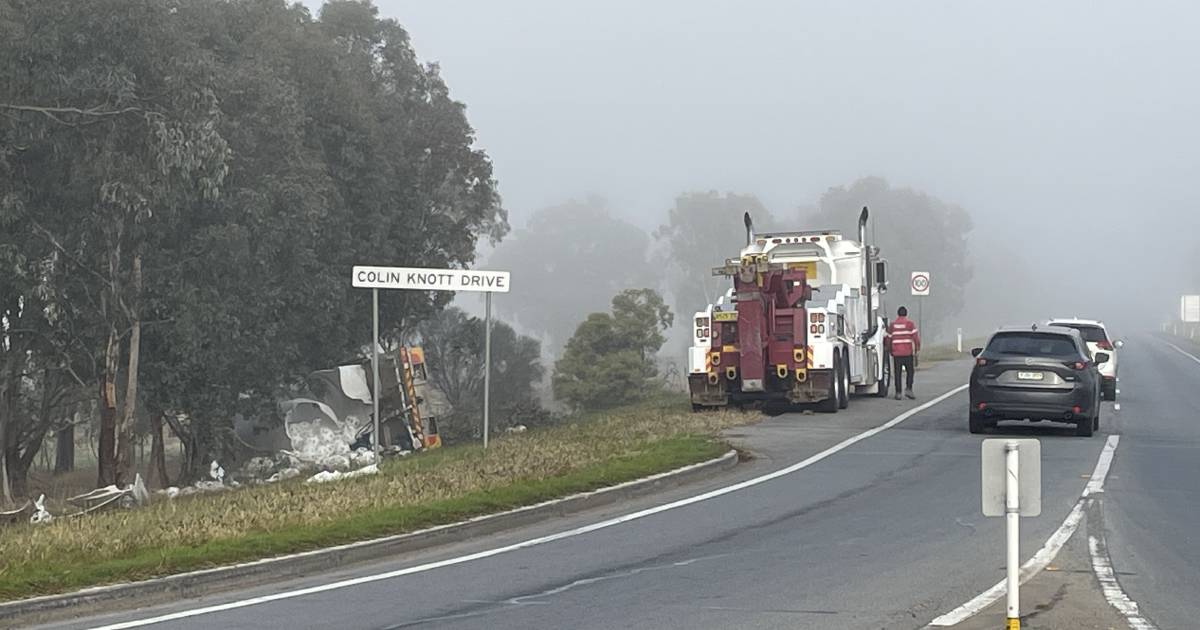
(1102,566)
(366,579)
(1182,351)
(1047,553)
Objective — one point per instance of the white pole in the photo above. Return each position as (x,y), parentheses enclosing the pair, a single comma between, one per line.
(960,341)
(375,370)
(487,365)
(1012,515)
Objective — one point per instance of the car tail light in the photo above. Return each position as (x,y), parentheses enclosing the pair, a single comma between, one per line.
(1105,345)
(1076,409)
(1080,365)
(981,362)
(981,406)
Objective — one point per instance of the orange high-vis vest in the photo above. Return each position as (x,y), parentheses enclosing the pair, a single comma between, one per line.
(905,339)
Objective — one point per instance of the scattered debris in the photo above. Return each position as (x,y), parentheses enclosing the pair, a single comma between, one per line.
(520,428)
(12,517)
(334,475)
(40,515)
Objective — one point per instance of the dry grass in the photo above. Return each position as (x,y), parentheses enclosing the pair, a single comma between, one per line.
(949,352)
(205,530)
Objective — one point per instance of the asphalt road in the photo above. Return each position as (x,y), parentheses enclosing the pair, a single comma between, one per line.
(884,533)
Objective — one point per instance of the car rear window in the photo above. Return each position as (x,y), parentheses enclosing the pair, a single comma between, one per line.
(1090,334)
(1032,344)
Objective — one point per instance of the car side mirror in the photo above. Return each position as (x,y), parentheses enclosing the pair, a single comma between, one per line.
(1101,357)
(976,351)
(1119,344)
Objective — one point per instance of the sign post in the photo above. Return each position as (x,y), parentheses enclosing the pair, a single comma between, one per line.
(1011,476)
(419,279)
(920,290)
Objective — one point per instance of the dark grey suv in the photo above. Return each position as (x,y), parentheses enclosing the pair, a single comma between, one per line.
(1036,373)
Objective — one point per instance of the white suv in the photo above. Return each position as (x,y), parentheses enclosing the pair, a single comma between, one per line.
(1096,336)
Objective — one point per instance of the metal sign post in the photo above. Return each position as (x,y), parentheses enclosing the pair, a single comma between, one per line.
(376,445)
(487,364)
(420,279)
(920,290)
(1011,476)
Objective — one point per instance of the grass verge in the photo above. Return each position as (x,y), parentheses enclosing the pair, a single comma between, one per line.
(442,487)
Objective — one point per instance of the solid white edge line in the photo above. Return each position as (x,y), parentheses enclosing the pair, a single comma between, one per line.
(196,612)
(1182,351)
(1102,567)
(1047,553)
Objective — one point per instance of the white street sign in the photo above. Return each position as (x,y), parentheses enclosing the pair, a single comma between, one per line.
(1189,309)
(430,279)
(994,476)
(920,283)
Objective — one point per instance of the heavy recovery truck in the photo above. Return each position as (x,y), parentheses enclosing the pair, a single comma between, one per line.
(801,324)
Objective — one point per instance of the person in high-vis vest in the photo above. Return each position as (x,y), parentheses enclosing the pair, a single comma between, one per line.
(905,342)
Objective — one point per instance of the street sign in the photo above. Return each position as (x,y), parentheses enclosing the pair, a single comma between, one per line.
(419,279)
(994,476)
(430,279)
(1189,309)
(920,283)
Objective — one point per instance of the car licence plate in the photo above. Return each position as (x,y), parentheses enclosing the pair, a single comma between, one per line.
(1030,376)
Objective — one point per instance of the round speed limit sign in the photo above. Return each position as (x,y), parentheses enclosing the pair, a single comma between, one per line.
(920,283)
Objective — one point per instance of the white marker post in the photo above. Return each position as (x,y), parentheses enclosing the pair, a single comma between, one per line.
(419,279)
(1012,487)
(960,341)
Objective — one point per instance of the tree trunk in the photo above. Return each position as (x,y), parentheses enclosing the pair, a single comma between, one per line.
(158,455)
(106,457)
(125,428)
(5,488)
(64,449)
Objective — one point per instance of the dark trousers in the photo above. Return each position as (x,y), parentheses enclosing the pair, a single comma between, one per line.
(905,364)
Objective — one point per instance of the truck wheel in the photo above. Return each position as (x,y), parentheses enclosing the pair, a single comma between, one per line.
(830,404)
(844,394)
(886,379)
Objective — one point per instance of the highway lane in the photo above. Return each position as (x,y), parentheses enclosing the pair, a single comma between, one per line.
(1152,503)
(884,533)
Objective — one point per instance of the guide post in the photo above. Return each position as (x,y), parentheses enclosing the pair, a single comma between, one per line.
(1012,487)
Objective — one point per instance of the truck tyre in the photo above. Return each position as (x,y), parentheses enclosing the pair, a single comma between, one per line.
(886,379)
(830,404)
(844,394)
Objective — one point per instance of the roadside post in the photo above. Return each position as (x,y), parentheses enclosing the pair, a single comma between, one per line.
(1011,483)
(960,341)
(420,279)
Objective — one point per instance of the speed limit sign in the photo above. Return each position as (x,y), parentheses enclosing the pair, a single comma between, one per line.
(920,283)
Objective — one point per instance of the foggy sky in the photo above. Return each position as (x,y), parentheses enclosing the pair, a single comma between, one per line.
(1069,130)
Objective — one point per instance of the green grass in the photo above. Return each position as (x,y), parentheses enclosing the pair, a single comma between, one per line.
(410,494)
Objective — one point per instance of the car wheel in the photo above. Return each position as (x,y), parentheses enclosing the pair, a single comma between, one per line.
(1084,428)
(1109,391)
(976,423)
